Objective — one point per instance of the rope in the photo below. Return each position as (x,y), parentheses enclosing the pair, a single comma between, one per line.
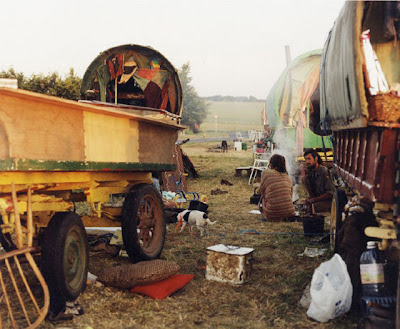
(255,232)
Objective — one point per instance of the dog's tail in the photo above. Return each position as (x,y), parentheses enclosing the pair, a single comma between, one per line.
(210,222)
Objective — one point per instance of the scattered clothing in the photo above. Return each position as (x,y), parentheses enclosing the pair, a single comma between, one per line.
(113,250)
(102,243)
(73,308)
(225,182)
(67,313)
(305,300)
(313,252)
(218,191)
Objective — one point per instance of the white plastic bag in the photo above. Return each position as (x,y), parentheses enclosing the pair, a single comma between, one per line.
(331,290)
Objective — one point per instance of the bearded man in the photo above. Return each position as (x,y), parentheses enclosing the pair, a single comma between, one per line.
(320,188)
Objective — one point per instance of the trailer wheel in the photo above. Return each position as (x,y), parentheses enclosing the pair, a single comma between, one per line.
(6,240)
(65,256)
(338,202)
(143,223)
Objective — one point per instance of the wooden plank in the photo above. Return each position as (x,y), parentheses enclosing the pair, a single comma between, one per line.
(156,144)
(42,131)
(111,139)
(73,105)
(381,233)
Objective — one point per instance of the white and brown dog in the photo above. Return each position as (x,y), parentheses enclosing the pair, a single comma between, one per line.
(194,217)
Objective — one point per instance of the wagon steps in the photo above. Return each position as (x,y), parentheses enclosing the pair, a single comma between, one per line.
(20,277)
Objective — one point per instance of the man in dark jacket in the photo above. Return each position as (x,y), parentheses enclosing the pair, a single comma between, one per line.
(319,186)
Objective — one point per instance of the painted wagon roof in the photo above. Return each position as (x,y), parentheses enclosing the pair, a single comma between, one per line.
(134,75)
(293,89)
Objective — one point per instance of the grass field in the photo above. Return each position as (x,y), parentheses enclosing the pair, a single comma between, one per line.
(233,116)
(269,299)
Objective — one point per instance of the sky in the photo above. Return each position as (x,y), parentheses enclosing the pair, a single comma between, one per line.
(234,47)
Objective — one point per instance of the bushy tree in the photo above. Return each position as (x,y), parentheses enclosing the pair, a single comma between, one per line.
(52,84)
(69,87)
(194,107)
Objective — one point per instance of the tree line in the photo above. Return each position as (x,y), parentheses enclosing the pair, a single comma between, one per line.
(51,84)
(194,107)
(243,99)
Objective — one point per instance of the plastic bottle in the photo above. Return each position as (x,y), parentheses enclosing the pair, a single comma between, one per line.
(372,264)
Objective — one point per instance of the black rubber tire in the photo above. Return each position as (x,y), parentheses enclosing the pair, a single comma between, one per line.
(6,241)
(339,200)
(65,256)
(143,210)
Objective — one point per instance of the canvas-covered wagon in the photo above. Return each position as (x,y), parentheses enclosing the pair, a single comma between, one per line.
(293,99)
(360,108)
(55,152)
(360,105)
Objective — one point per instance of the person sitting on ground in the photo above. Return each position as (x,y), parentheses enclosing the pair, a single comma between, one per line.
(316,179)
(276,191)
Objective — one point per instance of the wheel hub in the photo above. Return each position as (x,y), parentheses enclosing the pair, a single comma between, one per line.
(72,259)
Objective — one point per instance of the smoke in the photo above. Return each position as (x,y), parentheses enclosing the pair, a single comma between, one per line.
(283,147)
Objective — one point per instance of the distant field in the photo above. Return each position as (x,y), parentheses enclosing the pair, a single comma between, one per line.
(233,116)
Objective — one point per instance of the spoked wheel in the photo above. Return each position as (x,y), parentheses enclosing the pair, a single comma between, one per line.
(143,223)
(338,202)
(65,256)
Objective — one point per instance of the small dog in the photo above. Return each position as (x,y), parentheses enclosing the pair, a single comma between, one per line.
(194,217)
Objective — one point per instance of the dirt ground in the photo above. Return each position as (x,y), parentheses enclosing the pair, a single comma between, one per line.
(269,299)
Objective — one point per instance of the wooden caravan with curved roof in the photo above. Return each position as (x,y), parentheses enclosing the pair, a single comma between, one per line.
(103,150)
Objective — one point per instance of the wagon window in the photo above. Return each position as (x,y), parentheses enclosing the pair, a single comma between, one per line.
(384,36)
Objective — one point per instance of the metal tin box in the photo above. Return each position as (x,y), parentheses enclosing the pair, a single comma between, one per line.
(230,264)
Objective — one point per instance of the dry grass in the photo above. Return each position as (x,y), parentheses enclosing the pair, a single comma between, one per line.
(270,297)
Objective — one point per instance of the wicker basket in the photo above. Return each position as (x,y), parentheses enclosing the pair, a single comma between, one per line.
(384,107)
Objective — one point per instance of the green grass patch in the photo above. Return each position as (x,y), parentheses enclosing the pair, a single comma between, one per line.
(233,116)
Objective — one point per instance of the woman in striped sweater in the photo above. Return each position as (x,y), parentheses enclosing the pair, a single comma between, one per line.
(276,190)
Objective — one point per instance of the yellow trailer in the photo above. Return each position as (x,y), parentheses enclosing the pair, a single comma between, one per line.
(101,150)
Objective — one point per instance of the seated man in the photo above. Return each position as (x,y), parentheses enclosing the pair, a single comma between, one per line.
(319,186)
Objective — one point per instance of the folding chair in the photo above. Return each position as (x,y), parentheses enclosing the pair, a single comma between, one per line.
(258,165)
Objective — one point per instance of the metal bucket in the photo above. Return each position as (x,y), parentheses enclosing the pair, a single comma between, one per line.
(313,225)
